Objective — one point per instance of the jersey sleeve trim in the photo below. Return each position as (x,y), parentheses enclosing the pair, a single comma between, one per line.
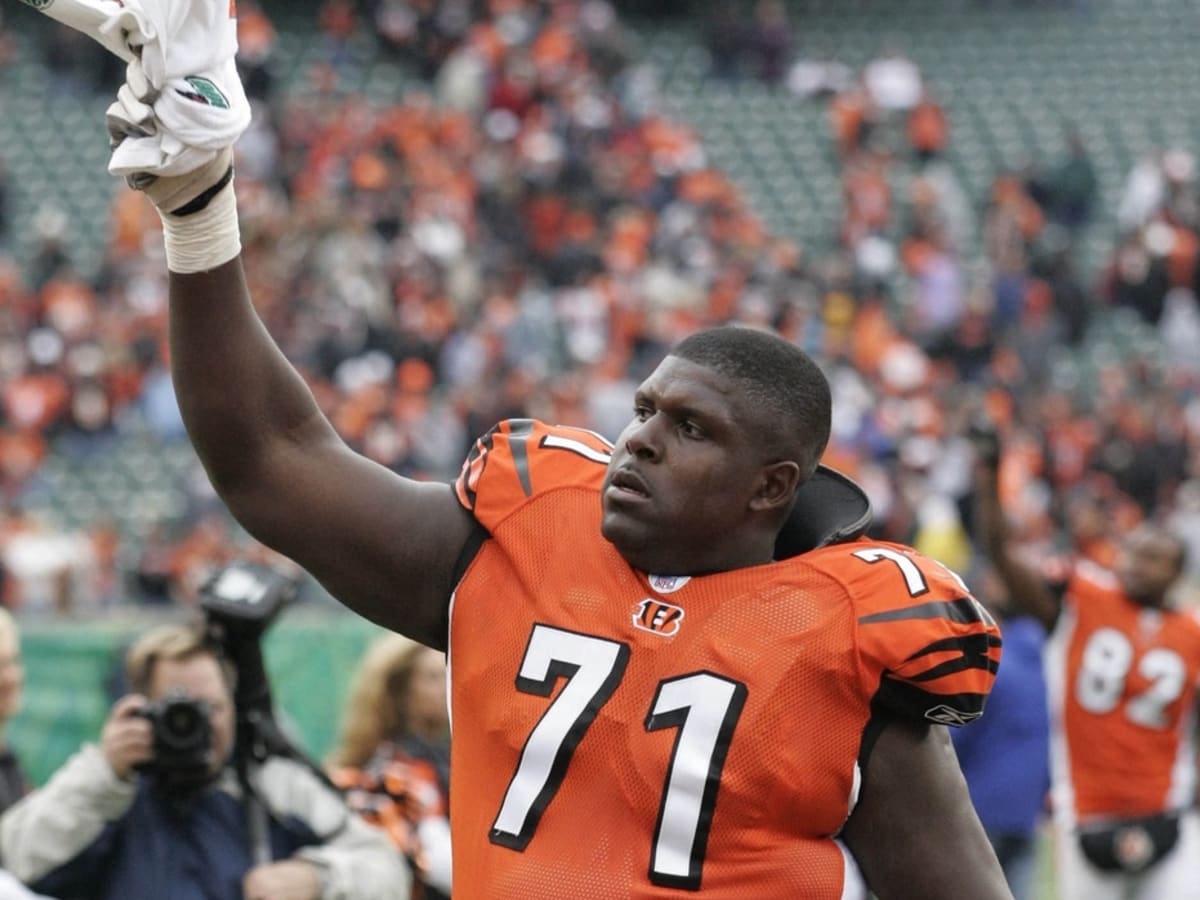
(929,650)
(971,651)
(517,432)
(964,610)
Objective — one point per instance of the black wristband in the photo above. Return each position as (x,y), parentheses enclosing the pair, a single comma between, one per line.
(202,200)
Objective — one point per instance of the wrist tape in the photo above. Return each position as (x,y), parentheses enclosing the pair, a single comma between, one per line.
(205,239)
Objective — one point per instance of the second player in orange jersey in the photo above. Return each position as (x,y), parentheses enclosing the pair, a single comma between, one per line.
(1122,672)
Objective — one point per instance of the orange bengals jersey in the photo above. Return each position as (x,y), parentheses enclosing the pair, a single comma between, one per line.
(618,734)
(1122,681)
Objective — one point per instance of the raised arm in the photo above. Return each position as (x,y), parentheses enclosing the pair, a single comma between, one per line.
(384,545)
(914,832)
(1027,591)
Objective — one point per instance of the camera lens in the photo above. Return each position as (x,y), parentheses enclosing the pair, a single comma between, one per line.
(182,728)
(180,723)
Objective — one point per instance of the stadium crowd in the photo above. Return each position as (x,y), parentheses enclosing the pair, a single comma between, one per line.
(528,231)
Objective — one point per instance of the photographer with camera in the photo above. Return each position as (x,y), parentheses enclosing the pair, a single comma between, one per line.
(159,808)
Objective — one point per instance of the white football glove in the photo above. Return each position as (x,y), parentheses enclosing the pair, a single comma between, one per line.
(178,179)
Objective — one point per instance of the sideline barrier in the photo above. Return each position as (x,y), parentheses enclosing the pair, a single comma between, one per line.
(71,679)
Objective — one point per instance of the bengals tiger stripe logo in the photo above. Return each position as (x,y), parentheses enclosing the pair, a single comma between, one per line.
(658,617)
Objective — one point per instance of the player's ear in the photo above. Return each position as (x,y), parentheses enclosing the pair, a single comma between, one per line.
(778,483)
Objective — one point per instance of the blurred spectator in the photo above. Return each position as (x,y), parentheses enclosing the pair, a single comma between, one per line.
(6,43)
(938,300)
(396,24)
(853,119)
(1072,186)
(1143,193)
(392,757)
(5,216)
(338,22)
(928,128)
(1137,275)
(819,75)
(48,570)
(868,197)
(1073,303)
(725,38)
(1179,174)
(78,65)
(893,81)
(1145,457)
(1012,222)
(1179,329)
(50,257)
(1185,521)
(1037,331)
(1006,760)
(13,783)
(256,45)
(770,41)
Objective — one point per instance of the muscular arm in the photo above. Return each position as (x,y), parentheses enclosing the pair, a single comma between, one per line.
(914,832)
(1027,591)
(384,545)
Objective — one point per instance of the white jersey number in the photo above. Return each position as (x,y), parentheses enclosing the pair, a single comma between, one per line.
(702,706)
(1108,658)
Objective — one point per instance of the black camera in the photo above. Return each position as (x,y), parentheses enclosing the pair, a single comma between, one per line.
(240,602)
(183,738)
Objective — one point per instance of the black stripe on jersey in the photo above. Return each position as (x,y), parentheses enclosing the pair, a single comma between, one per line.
(518,441)
(479,452)
(973,650)
(917,703)
(964,610)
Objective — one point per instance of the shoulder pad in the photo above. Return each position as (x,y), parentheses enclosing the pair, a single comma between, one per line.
(520,458)
(830,509)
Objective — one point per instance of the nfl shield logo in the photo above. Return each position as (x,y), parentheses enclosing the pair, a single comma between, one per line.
(667,584)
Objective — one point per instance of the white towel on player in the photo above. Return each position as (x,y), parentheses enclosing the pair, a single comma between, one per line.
(186,51)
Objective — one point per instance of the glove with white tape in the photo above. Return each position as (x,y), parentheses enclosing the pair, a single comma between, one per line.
(192,188)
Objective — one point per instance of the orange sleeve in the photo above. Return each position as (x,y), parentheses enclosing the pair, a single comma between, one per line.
(519,458)
(927,648)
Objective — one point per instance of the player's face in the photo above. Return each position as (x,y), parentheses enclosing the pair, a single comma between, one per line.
(201,678)
(1149,564)
(678,489)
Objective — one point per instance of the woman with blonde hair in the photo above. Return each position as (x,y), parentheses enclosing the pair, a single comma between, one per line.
(393,758)
(13,782)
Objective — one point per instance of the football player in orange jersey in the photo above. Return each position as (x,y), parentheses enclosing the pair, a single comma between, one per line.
(1122,671)
(676,667)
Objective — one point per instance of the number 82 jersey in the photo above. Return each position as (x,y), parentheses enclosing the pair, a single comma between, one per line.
(1122,681)
(623,734)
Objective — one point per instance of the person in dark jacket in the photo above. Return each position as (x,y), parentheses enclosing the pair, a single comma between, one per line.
(1005,758)
(117,822)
